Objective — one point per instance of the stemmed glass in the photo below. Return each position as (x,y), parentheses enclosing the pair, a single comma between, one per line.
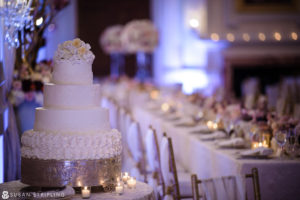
(281,138)
(292,142)
(228,127)
(197,117)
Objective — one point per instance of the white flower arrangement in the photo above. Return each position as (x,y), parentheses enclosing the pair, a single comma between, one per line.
(110,40)
(74,51)
(28,86)
(139,36)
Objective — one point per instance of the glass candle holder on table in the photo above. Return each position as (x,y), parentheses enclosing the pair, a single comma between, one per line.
(119,188)
(131,183)
(261,136)
(86,192)
(125,177)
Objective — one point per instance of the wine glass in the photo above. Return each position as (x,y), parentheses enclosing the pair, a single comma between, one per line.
(292,142)
(297,135)
(228,127)
(197,117)
(281,138)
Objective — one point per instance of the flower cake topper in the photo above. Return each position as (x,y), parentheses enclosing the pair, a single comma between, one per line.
(74,51)
(110,39)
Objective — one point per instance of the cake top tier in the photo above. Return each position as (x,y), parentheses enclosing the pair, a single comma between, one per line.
(74,51)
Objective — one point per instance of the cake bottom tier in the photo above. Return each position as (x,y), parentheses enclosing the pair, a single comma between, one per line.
(77,173)
(71,146)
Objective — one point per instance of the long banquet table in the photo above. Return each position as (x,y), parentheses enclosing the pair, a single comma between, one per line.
(278,179)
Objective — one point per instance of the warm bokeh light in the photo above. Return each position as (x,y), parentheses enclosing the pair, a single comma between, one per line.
(246,37)
(294,35)
(262,37)
(39,21)
(230,37)
(194,23)
(215,37)
(277,36)
(154,94)
(165,107)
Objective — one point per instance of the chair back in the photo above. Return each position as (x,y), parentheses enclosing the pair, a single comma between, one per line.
(224,187)
(135,145)
(153,159)
(255,180)
(134,141)
(113,113)
(152,150)
(195,187)
(121,119)
(168,168)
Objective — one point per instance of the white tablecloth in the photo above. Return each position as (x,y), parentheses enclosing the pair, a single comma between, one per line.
(278,179)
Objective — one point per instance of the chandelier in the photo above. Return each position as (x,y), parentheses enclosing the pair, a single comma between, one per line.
(16,15)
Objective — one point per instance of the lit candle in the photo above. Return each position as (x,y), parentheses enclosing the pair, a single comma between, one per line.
(79,184)
(119,188)
(212,125)
(131,183)
(125,177)
(259,144)
(85,192)
(265,144)
(255,145)
(215,126)
(165,107)
(154,94)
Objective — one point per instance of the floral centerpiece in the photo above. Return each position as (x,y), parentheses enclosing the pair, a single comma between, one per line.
(110,42)
(140,37)
(28,84)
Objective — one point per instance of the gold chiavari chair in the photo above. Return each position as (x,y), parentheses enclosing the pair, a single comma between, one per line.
(136,148)
(154,176)
(177,181)
(255,180)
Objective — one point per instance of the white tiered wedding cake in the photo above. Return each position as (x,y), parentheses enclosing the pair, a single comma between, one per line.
(72,142)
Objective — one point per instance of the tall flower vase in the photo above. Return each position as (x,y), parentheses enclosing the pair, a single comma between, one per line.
(117,62)
(143,61)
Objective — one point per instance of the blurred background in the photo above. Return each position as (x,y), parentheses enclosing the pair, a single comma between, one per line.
(202,44)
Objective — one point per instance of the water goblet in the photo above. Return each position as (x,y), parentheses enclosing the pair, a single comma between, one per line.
(292,143)
(281,138)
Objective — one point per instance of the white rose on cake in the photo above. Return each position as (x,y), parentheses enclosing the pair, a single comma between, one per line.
(74,51)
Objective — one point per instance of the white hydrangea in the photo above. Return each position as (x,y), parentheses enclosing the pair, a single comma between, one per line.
(74,51)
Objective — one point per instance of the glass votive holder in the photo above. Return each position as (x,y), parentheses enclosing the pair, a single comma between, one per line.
(119,188)
(86,192)
(131,183)
(125,177)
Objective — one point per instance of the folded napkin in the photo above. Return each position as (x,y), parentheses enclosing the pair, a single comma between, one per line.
(260,151)
(153,106)
(214,136)
(232,143)
(200,129)
(185,122)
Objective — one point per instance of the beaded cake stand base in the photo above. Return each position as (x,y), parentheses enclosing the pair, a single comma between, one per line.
(76,173)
